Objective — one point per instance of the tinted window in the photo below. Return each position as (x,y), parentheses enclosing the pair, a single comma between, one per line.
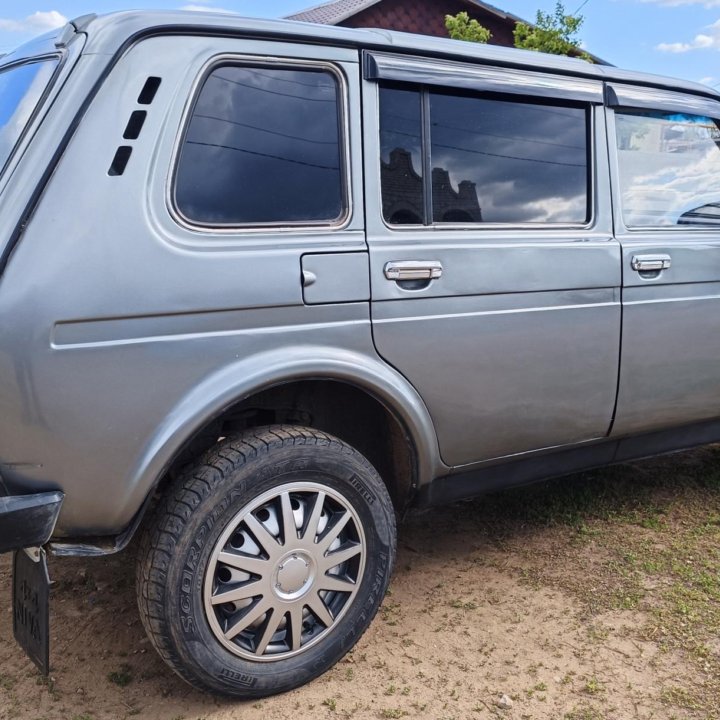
(507,162)
(401,156)
(492,160)
(21,88)
(263,146)
(669,169)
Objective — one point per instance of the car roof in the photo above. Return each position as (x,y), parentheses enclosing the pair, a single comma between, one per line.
(110,33)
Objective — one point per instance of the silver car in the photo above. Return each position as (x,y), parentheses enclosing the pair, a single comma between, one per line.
(265,284)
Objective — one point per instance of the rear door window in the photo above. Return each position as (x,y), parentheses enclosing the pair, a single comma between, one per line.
(504,161)
(401,159)
(669,165)
(466,159)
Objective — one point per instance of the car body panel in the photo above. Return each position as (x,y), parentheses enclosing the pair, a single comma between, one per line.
(671,328)
(136,328)
(515,347)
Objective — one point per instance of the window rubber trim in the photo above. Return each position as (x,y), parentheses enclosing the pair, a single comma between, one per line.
(334,224)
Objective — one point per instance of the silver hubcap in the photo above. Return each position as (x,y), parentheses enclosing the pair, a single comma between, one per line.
(284,572)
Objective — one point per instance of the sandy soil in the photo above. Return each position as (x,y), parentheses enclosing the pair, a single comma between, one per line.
(473,613)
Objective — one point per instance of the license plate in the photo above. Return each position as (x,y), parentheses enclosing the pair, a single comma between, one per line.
(31,607)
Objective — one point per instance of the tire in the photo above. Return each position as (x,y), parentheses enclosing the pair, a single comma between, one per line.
(266,561)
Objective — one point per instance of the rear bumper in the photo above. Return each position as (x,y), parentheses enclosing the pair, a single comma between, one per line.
(28,520)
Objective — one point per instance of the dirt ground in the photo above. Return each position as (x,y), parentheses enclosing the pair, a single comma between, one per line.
(591,597)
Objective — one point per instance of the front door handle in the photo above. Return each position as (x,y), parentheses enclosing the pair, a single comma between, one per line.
(413,270)
(650,263)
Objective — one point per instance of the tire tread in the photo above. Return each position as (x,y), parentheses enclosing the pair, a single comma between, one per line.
(194,486)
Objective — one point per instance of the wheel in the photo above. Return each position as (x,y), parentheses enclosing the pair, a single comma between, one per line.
(265,562)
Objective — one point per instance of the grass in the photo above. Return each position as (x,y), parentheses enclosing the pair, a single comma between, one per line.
(593,687)
(584,712)
(654,532)
(680,697)
(121,677)
(461,605)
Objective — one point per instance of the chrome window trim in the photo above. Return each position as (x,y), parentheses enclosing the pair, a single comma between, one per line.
(332,225)
(591,128)
(60,56)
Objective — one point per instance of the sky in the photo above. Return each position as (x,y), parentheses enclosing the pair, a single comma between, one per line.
(669,37)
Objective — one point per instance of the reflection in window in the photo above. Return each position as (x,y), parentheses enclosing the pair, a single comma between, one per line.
(492,160)
(669,169)
(263,146)
(507,162)
(401,156)
(21,87)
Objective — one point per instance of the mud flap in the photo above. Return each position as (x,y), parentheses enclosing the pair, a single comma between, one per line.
(31,605)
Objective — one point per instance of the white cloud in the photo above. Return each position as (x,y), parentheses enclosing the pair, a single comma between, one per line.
(702,41)
(206,8)
(664,186)
(35,23)
(710,80)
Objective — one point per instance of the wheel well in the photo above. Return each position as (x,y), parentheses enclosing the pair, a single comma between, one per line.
(340,409)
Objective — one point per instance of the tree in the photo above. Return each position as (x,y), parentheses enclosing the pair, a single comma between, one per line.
(552,33)
(462,27)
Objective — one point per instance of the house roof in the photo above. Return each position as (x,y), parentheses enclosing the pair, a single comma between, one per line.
(335,11)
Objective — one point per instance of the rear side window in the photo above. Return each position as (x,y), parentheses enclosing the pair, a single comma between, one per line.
(669,166)
(21,89)
(482,160)
(264,146)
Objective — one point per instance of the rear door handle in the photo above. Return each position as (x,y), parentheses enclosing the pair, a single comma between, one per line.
(650,263)
(413,270)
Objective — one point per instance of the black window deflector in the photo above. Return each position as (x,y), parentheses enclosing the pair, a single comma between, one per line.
(469,76)
(647,98)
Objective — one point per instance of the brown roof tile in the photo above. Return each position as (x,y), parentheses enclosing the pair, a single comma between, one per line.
(334,12)
(425,17)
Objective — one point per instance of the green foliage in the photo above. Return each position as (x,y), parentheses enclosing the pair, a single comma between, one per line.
(462,27)
(554,33)
(122,677)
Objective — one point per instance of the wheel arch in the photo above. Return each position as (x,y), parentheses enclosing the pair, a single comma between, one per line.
(249,377)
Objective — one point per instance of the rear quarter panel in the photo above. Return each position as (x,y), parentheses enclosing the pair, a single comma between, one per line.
(123,328)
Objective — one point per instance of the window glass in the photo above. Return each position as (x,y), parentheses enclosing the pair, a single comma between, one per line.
(263,146)
(669,169)
(507,162)
(401,156)
(491,160)
(21,87)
